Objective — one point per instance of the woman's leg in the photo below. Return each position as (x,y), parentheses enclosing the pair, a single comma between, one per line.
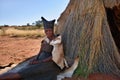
(10,76)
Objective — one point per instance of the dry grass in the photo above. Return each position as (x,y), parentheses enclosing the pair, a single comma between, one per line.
(22,33)
(1,32)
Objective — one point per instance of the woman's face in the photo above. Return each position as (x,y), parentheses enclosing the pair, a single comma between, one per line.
(49,32)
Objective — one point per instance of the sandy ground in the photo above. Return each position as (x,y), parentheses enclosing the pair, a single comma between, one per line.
(17,49)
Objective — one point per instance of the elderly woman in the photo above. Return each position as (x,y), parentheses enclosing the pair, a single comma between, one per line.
(42,67)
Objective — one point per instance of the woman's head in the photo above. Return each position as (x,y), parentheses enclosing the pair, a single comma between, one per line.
(48,27)
(49,32)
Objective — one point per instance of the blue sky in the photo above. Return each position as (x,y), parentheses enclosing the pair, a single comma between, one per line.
(21,12)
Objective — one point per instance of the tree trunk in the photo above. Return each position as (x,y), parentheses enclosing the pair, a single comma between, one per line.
(91,29)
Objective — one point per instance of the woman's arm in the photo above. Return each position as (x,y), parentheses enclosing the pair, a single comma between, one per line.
(35,60)
(37,57)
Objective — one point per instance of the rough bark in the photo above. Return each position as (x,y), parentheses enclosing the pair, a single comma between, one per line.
(86,32)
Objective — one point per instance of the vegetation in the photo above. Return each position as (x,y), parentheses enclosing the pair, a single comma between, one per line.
(21,32)
(34,30)
(82,69)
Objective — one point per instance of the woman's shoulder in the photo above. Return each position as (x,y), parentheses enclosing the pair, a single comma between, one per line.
(45,39)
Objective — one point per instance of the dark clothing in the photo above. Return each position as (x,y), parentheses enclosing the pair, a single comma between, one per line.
(45,51)
(43,55)
(48,24)
(45,46)
(44,70)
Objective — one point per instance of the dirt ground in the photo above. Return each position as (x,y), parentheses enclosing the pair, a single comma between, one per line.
(16,50)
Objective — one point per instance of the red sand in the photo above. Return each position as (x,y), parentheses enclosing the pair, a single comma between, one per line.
(17,49)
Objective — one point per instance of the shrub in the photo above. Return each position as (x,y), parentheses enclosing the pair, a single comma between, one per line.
(23,33)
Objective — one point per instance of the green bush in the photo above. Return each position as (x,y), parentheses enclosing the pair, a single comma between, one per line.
(82,69)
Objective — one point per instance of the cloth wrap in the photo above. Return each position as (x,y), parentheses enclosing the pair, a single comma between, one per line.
(44,70)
